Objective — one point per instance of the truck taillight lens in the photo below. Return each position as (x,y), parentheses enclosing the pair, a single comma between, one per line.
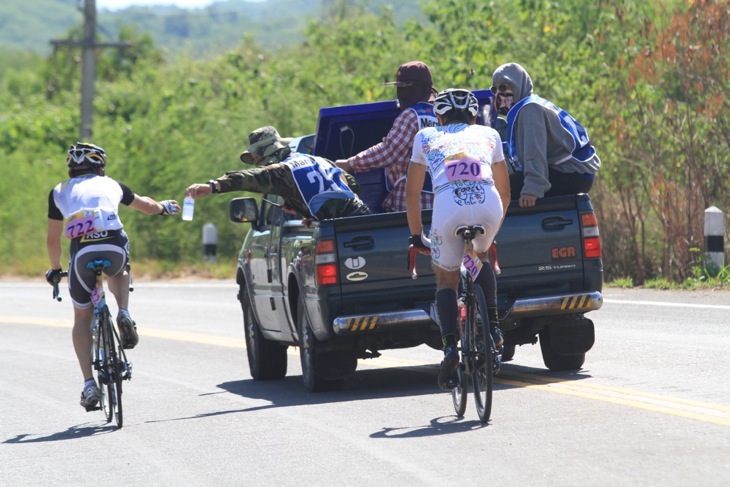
(592,248)
(326,274)
(325,263)
(589,233)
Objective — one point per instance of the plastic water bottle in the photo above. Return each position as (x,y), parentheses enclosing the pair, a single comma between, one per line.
(188,208)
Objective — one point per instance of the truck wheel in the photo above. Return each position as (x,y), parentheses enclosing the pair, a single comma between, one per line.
(310,356)
(508,351)
(266,359)
(555,361)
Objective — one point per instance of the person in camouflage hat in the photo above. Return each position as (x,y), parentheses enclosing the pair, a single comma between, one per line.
(310,185)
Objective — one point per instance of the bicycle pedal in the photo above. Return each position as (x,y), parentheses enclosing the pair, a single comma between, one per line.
(496,364)
(127,371)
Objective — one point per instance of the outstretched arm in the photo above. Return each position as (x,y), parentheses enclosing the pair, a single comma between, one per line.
(149,206)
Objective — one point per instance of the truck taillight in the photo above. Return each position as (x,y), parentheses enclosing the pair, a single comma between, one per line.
(589,233)
(325,261)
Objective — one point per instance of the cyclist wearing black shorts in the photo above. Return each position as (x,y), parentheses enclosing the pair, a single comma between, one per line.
(85,209)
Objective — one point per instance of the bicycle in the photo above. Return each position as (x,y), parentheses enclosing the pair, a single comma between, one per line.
(107,355)
(479,356)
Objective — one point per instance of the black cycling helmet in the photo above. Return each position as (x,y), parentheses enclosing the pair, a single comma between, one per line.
(456,99)
(81,154)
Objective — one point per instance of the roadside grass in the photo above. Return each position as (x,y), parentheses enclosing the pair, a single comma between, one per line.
(141,269)
(702,278)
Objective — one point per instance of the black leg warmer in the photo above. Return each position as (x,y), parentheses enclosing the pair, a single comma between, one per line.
(446,307)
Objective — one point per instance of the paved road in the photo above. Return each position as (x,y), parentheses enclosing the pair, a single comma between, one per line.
(650,407)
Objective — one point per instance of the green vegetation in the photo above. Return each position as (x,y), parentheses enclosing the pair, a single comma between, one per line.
(648,79)
(190,32)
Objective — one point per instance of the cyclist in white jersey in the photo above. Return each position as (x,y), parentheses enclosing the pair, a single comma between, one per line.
(471,186)
(85,208)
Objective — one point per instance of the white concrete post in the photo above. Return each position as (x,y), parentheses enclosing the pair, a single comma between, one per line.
(714,237)
(210,241)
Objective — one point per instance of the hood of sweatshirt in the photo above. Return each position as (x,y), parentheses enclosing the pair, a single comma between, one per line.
(515,75)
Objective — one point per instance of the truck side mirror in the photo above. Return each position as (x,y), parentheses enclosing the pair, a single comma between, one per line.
(243,210)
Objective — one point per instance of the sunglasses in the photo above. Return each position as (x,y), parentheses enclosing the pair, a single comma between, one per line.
(502,88)
(400,84)
(80,155)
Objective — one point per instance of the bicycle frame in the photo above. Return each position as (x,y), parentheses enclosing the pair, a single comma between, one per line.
(476,343)
(107,355)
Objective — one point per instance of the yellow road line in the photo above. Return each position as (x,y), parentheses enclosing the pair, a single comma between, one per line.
(181,336)
(700,411)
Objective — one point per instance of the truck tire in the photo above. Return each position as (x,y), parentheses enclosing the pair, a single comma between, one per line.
(508,351)
(555,361)
(311,357)
(267,360)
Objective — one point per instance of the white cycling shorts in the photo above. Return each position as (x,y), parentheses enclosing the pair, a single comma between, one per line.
(462,204)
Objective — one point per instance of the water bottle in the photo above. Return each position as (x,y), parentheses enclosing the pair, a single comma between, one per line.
(188,208)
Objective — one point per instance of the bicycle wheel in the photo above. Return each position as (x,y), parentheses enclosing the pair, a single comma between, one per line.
(117,385)
(480,342)
(103,371)
(458,393)
(116,365)
(112,373)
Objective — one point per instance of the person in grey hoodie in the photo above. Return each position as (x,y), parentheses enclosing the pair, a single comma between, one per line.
(548,150)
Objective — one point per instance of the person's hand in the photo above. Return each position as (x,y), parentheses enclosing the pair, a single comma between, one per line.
(170,208)
(53,276)
(417,242)
(198,190)
(527,200)
(342,164)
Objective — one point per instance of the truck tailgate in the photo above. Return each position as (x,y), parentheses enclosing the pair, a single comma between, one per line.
(540,250)
(372,254)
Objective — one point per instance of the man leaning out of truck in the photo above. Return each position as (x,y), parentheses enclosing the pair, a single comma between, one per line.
(310,185)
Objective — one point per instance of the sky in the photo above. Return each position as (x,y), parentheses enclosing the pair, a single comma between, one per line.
(119,4)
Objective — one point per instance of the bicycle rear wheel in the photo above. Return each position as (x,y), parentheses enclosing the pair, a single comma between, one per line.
(117,384)
(459,393)
(482,351)
(102,346)
(111,372)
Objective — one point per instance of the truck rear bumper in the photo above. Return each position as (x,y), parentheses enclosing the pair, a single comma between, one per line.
(348,325)
(522,308)
(555,305)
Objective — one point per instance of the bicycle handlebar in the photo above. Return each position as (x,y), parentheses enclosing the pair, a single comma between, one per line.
(413,250)
(56,292)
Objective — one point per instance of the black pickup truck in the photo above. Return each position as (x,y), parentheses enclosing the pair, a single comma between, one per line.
(341,289)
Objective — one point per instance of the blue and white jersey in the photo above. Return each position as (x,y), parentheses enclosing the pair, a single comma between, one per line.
(317,180)
(424,112)
(459,159)
(582,151)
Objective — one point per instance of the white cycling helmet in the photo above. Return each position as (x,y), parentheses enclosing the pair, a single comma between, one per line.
(81,154)
(456,99)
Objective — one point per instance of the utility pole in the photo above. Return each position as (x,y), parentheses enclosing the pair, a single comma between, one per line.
(88,66)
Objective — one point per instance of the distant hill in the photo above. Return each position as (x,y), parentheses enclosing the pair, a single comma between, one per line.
(196,32)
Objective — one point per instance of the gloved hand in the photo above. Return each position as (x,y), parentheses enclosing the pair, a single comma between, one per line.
(53,276)
(170,208)
(417,241)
